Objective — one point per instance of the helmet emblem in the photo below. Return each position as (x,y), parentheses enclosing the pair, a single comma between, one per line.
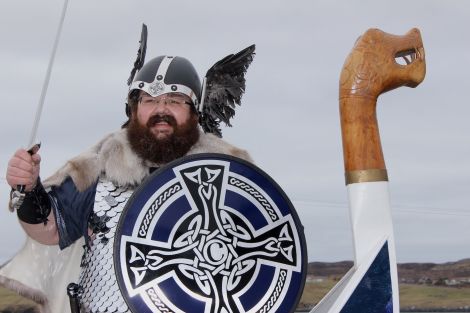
(156,88)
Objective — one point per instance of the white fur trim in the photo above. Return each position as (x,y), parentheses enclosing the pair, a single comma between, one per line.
(114,157)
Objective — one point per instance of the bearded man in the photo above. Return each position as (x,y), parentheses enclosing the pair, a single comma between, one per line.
(165,107)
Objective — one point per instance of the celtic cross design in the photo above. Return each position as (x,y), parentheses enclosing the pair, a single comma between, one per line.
(213,251)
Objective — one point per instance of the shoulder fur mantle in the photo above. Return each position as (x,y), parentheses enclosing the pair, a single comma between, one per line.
(114,158)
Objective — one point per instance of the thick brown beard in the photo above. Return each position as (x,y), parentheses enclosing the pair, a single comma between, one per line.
(161,151)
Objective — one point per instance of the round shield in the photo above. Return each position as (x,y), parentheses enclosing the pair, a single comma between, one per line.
(210,233)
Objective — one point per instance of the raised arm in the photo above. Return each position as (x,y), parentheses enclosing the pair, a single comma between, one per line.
(33,206)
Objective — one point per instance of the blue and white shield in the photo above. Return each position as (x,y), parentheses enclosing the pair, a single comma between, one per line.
(210,233)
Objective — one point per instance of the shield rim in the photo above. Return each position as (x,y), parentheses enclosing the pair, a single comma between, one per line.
(202,156)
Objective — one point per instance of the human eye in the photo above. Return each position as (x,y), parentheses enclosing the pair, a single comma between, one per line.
(147,100)
(175,101)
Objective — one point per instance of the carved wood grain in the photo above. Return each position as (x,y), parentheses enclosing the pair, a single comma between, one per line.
(370,70)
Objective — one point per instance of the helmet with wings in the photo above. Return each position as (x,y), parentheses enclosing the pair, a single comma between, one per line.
(215,99)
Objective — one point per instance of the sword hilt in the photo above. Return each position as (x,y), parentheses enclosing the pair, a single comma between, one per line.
(74,293)
(31,151)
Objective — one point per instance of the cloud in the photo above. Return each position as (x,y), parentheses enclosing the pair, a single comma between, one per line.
(289,118)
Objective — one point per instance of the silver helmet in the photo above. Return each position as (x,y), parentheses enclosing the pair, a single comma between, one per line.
(165,74)
(214,99)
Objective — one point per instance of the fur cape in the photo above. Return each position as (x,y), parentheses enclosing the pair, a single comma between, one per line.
(41,273)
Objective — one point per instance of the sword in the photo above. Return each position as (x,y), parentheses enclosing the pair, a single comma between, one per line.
(369,71)
(33,146)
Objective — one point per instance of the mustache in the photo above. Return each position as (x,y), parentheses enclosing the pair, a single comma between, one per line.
(154,119)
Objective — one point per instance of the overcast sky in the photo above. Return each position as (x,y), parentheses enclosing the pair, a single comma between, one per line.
(289,119)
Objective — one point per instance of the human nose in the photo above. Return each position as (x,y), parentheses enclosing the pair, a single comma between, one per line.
(159,106)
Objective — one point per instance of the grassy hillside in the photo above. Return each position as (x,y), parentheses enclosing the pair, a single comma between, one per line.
(430,297)
(412,297)
(423,286)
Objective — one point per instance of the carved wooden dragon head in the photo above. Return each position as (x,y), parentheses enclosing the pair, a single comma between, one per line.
(371,68)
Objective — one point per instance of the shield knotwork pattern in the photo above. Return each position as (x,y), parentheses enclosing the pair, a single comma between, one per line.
(213,234)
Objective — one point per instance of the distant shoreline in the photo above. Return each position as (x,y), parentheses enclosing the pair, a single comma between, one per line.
(454,310)
(409,310)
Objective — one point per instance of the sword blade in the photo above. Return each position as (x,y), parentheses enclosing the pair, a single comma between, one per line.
(32,138)
(32,143)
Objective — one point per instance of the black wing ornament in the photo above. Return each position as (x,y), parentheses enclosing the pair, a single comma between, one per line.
(222,88)
(139,62)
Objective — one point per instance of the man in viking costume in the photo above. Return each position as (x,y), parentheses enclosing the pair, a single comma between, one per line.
(170,115)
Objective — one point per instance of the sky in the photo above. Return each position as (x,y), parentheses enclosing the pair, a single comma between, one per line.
(289,118)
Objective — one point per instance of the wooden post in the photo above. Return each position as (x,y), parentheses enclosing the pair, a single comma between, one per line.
(370,70)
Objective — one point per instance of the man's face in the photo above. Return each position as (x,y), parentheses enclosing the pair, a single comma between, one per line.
(163,129)
(163,114)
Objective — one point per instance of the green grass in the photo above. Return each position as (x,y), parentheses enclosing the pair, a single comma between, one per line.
(315,291)
(433,296)
(418,296)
